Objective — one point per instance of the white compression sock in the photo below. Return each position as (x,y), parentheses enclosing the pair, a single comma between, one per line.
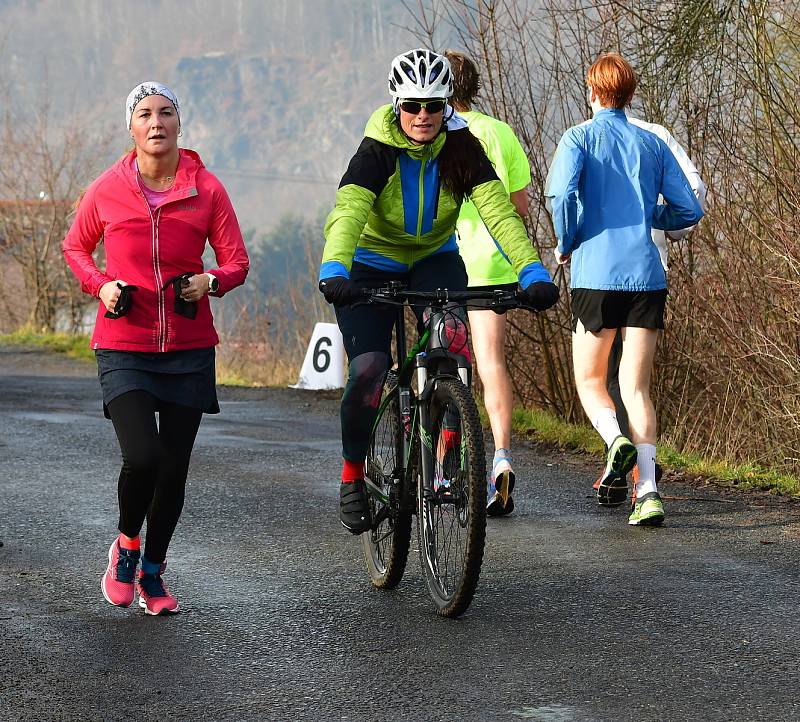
(605,421)
(646,461)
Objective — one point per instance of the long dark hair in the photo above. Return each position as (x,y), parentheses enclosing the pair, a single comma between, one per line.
(461,163)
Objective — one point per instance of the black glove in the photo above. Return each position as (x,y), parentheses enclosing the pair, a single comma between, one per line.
(187,309)
(339,291)
(124,302)
(541,295)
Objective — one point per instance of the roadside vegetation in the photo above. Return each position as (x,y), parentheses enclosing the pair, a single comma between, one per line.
(555,431)
(722,75)
(72,345)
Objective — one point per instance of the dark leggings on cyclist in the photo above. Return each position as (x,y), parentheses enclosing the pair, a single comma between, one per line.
(360,400)
(367,334)
(155,463)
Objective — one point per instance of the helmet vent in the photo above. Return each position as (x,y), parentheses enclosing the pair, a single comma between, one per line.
(409,71)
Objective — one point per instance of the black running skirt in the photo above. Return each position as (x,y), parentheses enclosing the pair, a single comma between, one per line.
(185,377)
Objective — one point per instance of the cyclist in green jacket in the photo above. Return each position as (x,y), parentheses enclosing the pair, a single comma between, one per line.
(395,219)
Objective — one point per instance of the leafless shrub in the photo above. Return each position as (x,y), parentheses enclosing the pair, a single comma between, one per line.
(723,76)
(41,175)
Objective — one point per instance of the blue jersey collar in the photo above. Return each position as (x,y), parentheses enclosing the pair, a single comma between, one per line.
(606,112)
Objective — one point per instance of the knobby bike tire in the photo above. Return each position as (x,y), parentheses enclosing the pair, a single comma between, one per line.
(386,546)
(451,580)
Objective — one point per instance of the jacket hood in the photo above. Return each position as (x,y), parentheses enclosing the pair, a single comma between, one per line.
(383,127)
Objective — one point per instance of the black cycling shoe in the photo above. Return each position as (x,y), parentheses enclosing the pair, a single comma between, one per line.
(354,507)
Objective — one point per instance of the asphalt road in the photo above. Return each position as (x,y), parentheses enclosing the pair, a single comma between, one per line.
(577,616)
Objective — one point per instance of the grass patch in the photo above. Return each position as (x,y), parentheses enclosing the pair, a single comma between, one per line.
(227,377)
(74,346)
(553,430)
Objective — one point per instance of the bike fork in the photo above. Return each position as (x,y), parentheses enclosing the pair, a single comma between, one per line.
(426,447)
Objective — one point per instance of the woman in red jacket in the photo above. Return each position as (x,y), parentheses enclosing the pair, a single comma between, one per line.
(154,335)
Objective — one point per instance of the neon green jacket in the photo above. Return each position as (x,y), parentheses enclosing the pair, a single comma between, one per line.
(391,211)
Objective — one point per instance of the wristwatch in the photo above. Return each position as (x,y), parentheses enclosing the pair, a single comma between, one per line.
(213,283)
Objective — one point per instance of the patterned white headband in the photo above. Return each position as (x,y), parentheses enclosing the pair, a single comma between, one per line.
(143,90)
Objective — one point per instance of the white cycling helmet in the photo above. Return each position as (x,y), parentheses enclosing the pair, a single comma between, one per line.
(420,74)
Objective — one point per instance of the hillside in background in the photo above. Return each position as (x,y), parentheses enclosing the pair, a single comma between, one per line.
(274,94)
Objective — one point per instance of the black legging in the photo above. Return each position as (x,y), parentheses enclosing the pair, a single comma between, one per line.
(155,462)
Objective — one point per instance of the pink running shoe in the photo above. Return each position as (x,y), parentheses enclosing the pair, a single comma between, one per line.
(154,597)
(117,582)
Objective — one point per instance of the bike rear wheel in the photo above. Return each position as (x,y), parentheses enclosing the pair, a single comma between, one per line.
(386,543)
(451,522)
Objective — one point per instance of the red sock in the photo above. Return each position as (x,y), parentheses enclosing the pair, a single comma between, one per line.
(127,542)
(451,439)
(352,470)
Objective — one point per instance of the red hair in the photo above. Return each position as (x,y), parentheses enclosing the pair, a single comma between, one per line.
(613,80)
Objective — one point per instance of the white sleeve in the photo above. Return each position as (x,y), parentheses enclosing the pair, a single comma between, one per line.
(692,175)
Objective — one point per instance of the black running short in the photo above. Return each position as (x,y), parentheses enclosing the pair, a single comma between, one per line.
(617,309)
(480,304)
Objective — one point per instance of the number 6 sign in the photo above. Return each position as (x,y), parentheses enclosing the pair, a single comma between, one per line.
(323,366)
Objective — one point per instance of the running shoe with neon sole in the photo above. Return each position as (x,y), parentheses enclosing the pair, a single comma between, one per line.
(647,511)
(612,486)
(616,497)
(117,582)
(501,503)
(154,597)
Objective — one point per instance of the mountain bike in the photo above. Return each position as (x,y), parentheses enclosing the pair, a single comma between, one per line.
(426,452)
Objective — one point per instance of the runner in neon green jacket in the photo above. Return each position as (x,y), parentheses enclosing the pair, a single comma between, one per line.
(488,268)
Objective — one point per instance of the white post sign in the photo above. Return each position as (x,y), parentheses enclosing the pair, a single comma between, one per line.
(323,367)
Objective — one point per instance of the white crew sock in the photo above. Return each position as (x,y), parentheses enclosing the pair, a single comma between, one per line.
(646,461)
(605,421)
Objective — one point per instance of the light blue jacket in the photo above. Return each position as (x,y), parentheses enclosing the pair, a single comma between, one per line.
(603,190)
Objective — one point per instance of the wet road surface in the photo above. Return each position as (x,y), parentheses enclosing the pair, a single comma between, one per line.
(577,616)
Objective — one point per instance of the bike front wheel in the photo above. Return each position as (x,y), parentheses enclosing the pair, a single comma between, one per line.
(451,522)
(386,543)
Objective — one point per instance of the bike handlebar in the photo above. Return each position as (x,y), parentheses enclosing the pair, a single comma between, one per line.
(498,299)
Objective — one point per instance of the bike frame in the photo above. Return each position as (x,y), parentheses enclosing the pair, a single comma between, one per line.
(414,418)
(425,352)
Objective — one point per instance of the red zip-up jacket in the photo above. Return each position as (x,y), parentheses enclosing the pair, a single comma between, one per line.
(148,248)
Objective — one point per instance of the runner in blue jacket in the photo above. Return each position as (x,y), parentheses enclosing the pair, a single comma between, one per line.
(603,189)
